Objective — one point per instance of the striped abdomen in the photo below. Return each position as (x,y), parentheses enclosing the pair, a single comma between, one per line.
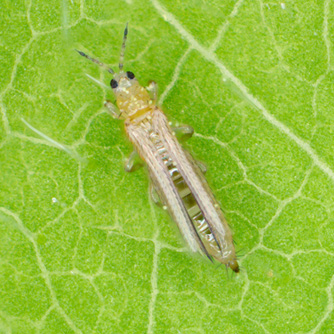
(194,212)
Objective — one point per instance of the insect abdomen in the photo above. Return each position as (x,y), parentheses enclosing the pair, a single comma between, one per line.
(194,212)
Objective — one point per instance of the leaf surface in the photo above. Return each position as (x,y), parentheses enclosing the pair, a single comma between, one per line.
(83,249)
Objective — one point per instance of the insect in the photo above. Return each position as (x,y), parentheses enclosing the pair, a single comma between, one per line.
(178,182)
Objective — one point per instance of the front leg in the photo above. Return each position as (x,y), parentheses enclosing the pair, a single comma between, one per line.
(112,109)
(153,89)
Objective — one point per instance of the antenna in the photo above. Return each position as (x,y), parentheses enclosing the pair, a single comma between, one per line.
(96,61)
(121,57)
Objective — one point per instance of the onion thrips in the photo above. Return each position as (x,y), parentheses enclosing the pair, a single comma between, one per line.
(178,182)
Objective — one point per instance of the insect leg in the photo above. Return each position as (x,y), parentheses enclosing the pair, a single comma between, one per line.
(153,89)
(155,196)
(133,163)
(113,110)
(183,132)
(201,166)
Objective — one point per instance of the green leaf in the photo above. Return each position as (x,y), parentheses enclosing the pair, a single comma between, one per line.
(83,249)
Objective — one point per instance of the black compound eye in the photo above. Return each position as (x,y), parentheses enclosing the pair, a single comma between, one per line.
(130,75)
(113,83)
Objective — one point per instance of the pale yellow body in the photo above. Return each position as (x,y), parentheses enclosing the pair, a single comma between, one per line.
(180,184)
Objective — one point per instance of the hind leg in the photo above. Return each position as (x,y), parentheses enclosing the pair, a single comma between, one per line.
(133,162)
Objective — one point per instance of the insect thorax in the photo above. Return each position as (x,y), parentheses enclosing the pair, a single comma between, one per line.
(132,99)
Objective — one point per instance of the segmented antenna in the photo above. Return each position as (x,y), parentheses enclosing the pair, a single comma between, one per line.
(96,61)
(121,57)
